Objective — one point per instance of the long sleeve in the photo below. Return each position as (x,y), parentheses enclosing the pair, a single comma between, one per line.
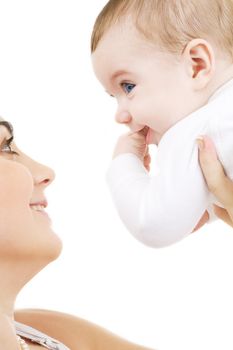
(162,209)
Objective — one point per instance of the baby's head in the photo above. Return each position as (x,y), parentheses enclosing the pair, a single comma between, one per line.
(162,59)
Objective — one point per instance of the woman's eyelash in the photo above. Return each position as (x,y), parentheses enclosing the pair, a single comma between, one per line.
(127,87)
(6,146)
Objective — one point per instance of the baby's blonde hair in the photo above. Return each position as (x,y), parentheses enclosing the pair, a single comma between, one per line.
(171,23)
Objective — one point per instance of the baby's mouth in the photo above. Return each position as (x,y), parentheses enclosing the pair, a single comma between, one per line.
(148,133)
(143,131)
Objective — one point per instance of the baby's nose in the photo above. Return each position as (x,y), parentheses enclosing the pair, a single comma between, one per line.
(123,117)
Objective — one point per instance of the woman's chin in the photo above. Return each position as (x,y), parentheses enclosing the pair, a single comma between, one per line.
(51,242)
(46,244)
(53,247)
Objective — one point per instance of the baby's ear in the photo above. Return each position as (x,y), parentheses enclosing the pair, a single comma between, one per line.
(199,59)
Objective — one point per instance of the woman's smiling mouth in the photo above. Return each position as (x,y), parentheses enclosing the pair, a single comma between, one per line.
(39,207)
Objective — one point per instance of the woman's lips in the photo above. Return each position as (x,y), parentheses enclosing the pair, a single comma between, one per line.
(39,204)
(39,207)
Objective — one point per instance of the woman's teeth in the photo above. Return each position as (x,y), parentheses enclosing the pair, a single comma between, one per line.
(37,207)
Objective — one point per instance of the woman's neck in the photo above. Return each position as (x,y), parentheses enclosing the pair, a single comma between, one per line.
(8,339)
(13,276)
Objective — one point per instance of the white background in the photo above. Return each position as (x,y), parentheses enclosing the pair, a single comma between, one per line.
(176,298)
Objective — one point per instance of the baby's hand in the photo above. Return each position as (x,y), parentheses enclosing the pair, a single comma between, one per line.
(134,143)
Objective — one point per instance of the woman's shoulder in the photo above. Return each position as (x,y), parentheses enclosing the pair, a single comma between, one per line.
(65,328)
(37,337)
(76,333)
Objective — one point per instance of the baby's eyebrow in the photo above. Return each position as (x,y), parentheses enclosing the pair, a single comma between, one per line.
(117,74)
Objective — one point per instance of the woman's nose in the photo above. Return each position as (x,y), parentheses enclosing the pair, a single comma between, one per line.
(43,175)
(122,117)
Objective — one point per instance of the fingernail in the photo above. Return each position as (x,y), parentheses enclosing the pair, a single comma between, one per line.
(200,143)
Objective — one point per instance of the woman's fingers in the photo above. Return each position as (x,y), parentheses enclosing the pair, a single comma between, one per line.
(147,161)
(218,183)
(204,219)
(222,214)
(211,167)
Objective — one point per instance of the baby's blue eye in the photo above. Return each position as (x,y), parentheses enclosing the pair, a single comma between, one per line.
(128,87)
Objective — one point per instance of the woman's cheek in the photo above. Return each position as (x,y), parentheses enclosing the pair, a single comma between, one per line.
(16,186)
(16,183)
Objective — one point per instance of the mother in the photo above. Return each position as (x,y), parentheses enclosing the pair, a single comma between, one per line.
(27,245)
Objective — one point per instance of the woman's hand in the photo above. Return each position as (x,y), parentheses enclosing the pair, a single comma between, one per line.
(218,183)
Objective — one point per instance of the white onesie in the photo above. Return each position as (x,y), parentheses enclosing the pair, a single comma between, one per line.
(164,208)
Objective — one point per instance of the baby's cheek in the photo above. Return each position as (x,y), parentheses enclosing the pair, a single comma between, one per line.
(146,111)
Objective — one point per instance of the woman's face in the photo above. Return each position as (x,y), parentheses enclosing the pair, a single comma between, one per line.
(25,228)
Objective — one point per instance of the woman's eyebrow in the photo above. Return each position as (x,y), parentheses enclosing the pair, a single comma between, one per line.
(8,126)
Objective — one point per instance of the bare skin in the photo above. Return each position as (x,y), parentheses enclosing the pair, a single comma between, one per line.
(74,332)
(218,183)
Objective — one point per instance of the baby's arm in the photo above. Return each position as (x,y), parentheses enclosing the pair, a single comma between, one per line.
(161,209)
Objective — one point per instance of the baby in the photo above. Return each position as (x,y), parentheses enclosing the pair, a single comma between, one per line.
(169,64)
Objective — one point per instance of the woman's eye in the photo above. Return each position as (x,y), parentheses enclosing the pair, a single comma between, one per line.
(127,87)
(6,147)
